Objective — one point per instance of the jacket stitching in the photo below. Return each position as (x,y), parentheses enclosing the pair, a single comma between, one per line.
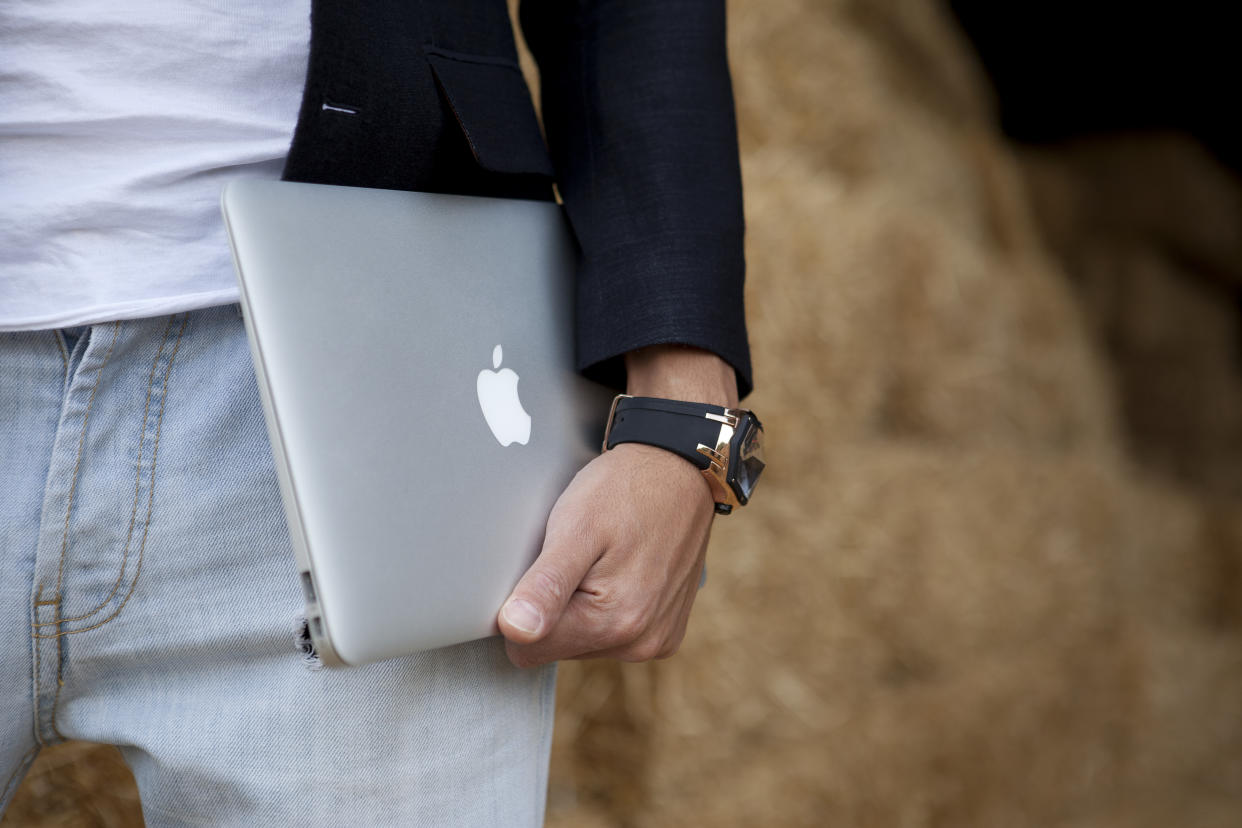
(463,57)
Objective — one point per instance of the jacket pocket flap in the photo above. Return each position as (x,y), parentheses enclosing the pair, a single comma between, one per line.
(492,104)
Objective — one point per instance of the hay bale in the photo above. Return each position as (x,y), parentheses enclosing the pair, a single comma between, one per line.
(1150,229)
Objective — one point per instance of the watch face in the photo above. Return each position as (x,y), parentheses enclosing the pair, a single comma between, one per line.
(749,463)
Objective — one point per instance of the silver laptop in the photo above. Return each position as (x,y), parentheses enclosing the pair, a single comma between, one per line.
(389,331)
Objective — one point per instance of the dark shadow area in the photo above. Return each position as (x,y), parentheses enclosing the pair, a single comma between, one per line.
(1064,69)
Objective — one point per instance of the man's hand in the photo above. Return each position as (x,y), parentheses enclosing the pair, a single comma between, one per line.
(626,541)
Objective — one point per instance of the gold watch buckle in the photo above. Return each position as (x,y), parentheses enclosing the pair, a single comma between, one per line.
(717,471)
(612,413)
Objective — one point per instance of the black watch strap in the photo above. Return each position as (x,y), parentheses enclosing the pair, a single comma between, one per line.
(676,426)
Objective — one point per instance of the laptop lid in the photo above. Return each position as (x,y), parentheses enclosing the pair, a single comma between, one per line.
(414,353)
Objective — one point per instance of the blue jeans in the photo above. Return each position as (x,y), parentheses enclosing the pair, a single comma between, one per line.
(149,599)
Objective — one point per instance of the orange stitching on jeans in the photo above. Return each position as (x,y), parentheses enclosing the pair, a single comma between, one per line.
(73,484)
(64,352)
(155,450)
(133,514)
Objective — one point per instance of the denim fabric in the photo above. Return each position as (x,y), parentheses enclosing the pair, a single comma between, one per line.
(149,597)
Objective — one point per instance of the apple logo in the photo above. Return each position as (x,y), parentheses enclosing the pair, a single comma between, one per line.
(498,397)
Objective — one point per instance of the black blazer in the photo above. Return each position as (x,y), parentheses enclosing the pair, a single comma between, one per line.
(638,110)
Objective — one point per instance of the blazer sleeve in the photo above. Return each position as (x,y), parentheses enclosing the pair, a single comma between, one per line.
(638,110)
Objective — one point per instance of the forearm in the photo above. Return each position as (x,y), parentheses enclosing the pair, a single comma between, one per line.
(680,373)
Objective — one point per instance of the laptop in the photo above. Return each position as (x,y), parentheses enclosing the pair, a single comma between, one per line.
(415,356)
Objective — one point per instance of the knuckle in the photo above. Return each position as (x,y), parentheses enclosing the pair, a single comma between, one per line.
(643,650)
(628,627)
(597,634)
(669,650)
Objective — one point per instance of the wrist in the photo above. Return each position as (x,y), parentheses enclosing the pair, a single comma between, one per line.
(725,445)
(680,372)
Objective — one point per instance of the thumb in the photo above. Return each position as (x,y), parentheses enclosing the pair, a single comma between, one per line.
(540,597)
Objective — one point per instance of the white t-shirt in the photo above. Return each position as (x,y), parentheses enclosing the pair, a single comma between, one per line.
(119,124)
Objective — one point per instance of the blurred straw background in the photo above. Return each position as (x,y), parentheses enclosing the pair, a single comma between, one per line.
(994,573)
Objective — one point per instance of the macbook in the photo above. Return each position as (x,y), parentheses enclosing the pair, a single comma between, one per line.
(415,357)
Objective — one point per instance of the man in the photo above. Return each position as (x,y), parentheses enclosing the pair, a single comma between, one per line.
(146,578)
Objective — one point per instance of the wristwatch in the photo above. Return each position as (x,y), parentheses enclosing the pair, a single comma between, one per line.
(726,444)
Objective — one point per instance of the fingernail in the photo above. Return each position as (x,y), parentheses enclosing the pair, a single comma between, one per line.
(523,615)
